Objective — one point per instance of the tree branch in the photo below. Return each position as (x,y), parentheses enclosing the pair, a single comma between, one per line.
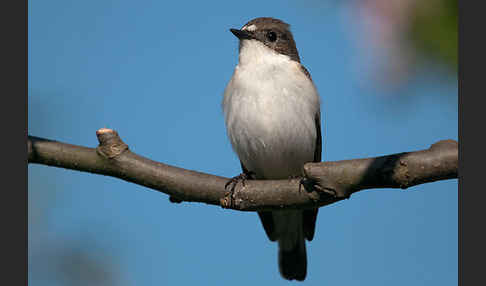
(323,183)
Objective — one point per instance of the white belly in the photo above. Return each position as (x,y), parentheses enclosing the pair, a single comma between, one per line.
(270,121)
(273,142)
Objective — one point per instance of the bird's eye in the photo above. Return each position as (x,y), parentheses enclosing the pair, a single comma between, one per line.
(272,36)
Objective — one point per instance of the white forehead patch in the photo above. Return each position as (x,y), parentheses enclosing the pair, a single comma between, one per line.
(250,28)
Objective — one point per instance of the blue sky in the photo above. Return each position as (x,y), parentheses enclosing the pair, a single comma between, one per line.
(155,71)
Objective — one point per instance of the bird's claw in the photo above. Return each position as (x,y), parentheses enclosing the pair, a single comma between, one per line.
(234,181)
(328,191)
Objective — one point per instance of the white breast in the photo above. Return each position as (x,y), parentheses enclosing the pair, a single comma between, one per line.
(270,108)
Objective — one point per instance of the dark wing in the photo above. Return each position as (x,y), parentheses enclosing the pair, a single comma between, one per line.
(318,150)
(310,216)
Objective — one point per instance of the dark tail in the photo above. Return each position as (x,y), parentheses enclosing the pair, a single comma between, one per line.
(293,263)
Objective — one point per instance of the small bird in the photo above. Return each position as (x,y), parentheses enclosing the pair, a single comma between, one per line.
(272,116)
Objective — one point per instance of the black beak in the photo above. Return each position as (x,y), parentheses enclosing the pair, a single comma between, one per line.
(241,34)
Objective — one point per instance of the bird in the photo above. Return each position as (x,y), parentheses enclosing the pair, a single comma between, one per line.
(273,121)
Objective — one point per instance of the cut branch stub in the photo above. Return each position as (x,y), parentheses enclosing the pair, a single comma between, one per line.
(111,144)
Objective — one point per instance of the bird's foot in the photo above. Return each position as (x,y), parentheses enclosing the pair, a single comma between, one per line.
(229,198)
(240,178)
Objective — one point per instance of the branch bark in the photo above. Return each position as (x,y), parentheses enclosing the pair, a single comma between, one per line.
(322,184)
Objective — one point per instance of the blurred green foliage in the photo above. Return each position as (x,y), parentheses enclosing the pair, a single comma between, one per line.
(434,30)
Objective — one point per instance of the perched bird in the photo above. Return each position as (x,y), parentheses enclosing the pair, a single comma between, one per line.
(272,117)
